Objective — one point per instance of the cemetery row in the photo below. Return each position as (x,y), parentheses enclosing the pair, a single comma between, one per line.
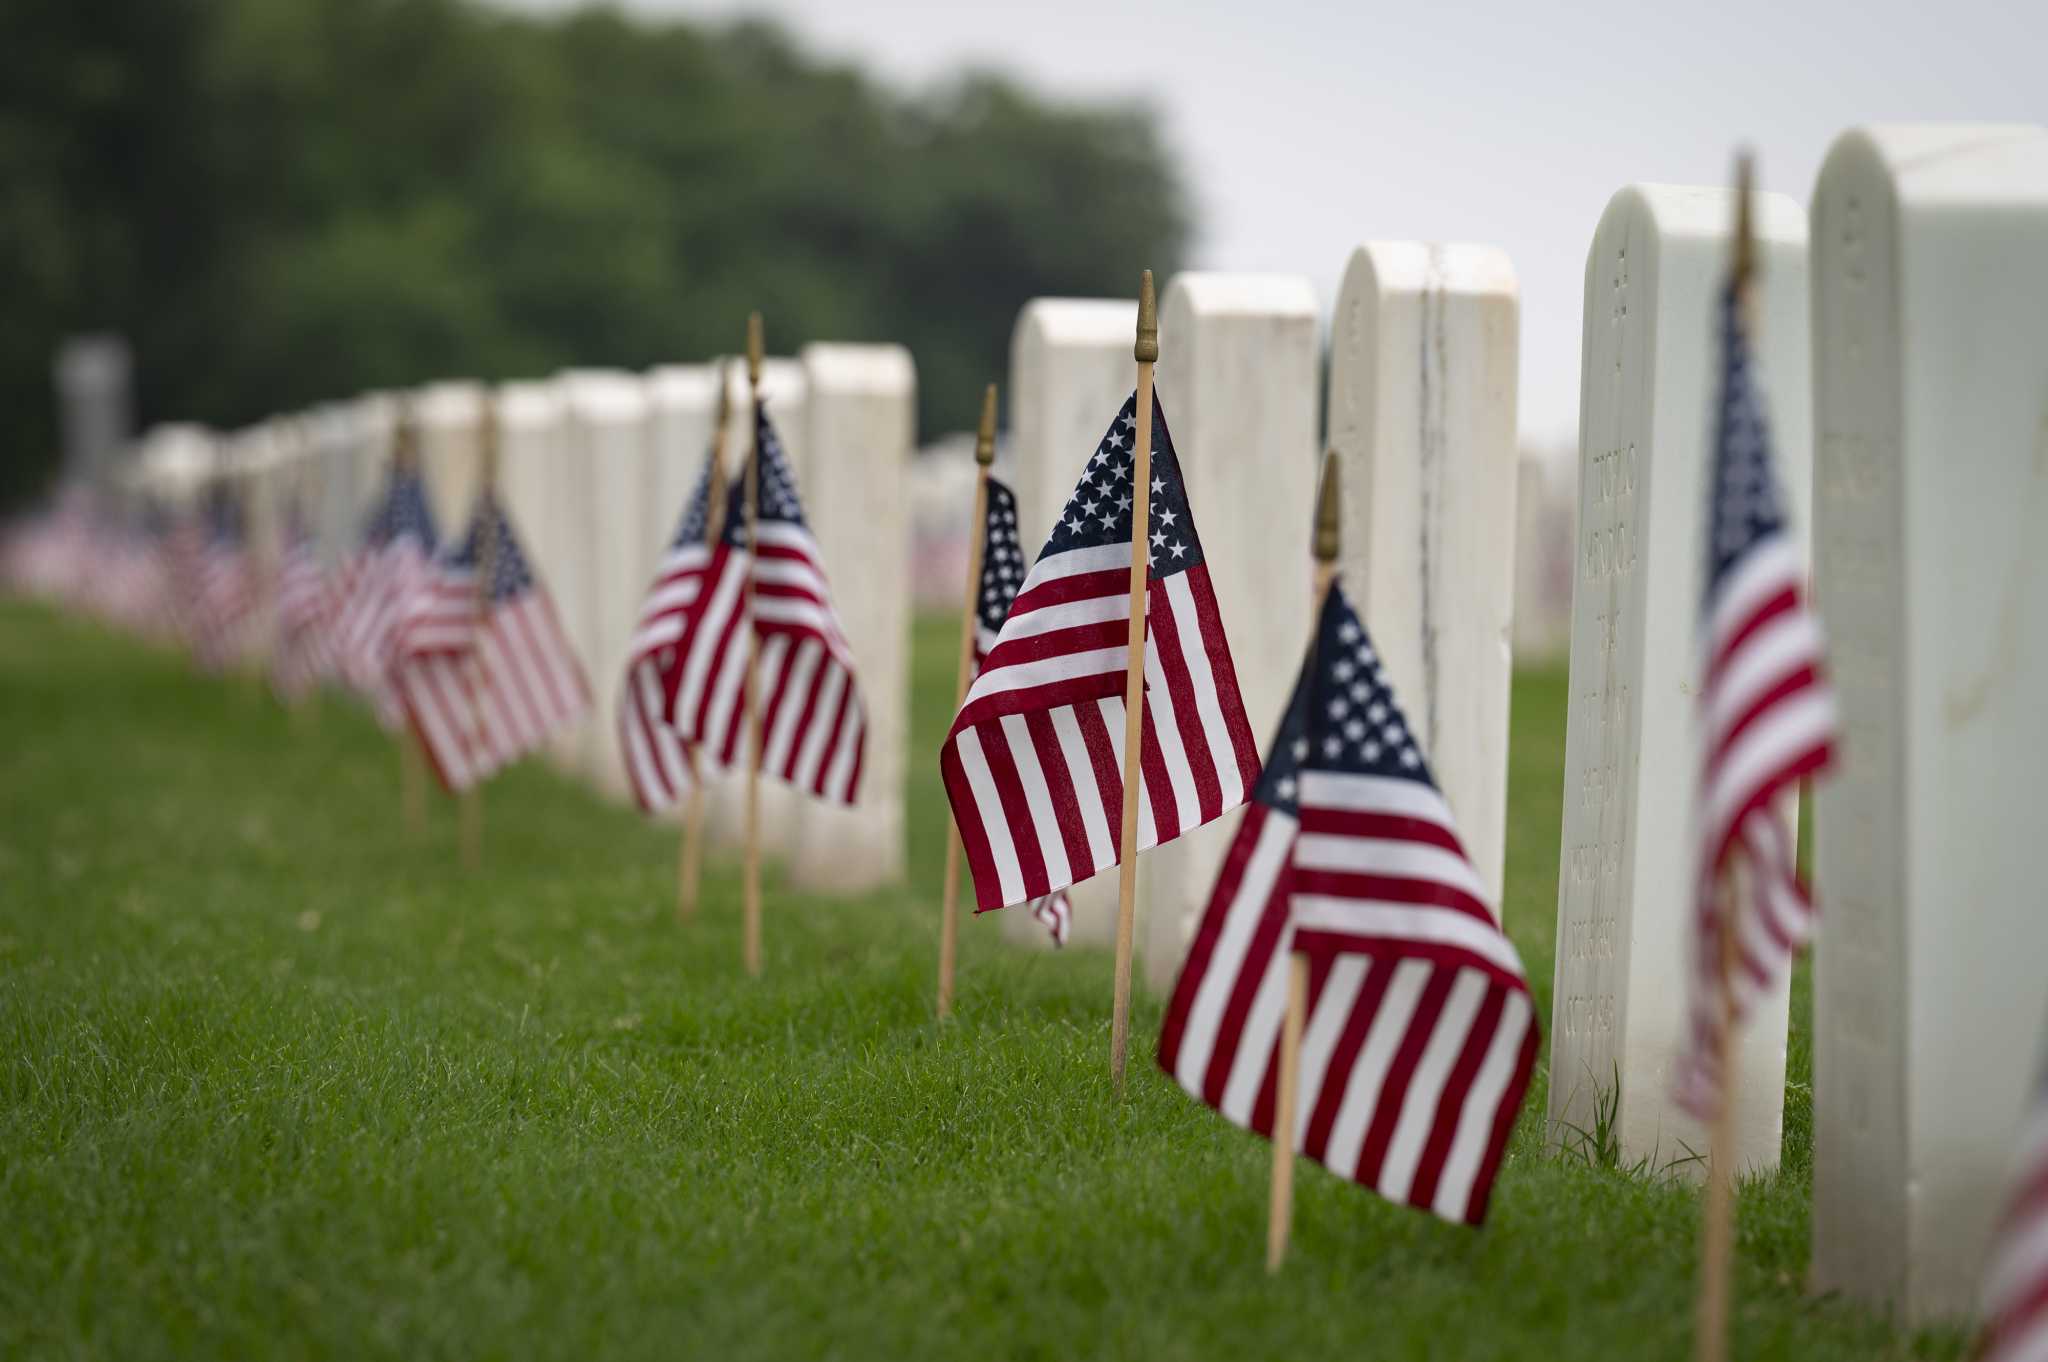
(1902,335)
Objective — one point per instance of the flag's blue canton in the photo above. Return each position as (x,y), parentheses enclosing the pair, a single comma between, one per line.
(404,510)
(509,574)
(1099,513)
(778,485)
(696,512)
(1744,506)
(1002,558)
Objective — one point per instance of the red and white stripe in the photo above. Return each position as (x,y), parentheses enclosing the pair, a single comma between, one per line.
(658,762)
(1768,722)
(1034,762)
(300,660)
(1420,1036)
(485,690)
(2015,1300)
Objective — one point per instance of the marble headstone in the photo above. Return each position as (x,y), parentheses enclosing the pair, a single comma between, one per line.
(1070,371)
(1422,418)
(863,428)
(1658,263)
(450,417)
(1930,309)
(1238,379)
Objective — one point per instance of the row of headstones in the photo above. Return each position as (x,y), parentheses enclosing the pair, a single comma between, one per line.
(1918,351)
(1916,344)
(594,468)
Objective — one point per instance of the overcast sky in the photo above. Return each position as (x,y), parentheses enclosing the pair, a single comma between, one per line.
(1308,127)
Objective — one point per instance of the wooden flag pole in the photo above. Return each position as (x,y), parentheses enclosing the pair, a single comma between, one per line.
(412,768)
(1146,352)
(751,942)
(690,855)
(1717,1230)
(486,568)
(1280,1204)
(970,615)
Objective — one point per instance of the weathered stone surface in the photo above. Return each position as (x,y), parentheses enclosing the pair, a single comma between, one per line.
(1930,309)
(1653,279)
(1422,418)
(1238,379)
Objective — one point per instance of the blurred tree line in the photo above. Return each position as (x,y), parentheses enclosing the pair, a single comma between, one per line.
(284,201)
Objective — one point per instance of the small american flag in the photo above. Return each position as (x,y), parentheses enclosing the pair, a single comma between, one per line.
(1420,1034)
(302,656)
(657,758)
(378,587)
(1767,720)
(1002,573)
(813,725)
(1034,762)
(485,675)
(2016,1287)
(225,595)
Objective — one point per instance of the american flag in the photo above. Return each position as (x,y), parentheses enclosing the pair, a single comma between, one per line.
(486,675)
(377,587)
(1034,762)
(2016,1287)
(302,656)
(657,760)
(1420,1034)
(1768,721)
(225,593)
(1002,573)
(813,725)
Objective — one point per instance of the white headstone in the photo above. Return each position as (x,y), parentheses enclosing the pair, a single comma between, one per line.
(1931,398)
(175,461)
(1546,496)
(450,419)
(863,428)
(611,456)
(1624,899)
(533,469)
(1070,371)
(1422,418)
(1238,376)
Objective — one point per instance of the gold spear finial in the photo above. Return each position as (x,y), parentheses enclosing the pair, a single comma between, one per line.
(1745,238)
(985,438)
(1146,351)
(756,347)
(1328,538)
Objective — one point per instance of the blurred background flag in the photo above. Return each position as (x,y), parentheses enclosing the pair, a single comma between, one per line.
(486,673)
(1421,1035)
(1033,763)
(658,763)
(301,656)
(226,589)
(379,587)
(2016,1287)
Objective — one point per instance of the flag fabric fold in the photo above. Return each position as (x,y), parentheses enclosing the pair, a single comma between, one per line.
(1421,1034)
(1033,764)
(484,671)
(2015,1301)
(813,722)
(1767,722)
(378,588)
(225,590)
(657,757)
(300,657)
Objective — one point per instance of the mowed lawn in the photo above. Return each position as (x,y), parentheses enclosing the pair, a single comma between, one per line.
(278,1080)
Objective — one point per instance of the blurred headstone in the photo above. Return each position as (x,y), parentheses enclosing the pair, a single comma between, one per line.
(1238,379)
(95,402)
(863,427)
(1422,418)
(1648,390)
(1930,304)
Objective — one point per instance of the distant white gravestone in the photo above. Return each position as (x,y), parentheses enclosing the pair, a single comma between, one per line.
(1238,380)
(449,417)
(1931,577)
(1071,368)
(863,429)
(1632,761)
(1422,418)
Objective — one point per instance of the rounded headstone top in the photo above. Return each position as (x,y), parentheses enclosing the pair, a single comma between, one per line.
(178,453)
(526,403)
(450,403)
(1972,162)
(1077,321)
(783,383)
(839,367)
(682,387)
(603,395)
(1220,294)
(1443,266)
(1688,210)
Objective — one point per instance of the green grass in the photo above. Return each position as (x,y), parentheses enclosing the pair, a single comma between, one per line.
(276,1080)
